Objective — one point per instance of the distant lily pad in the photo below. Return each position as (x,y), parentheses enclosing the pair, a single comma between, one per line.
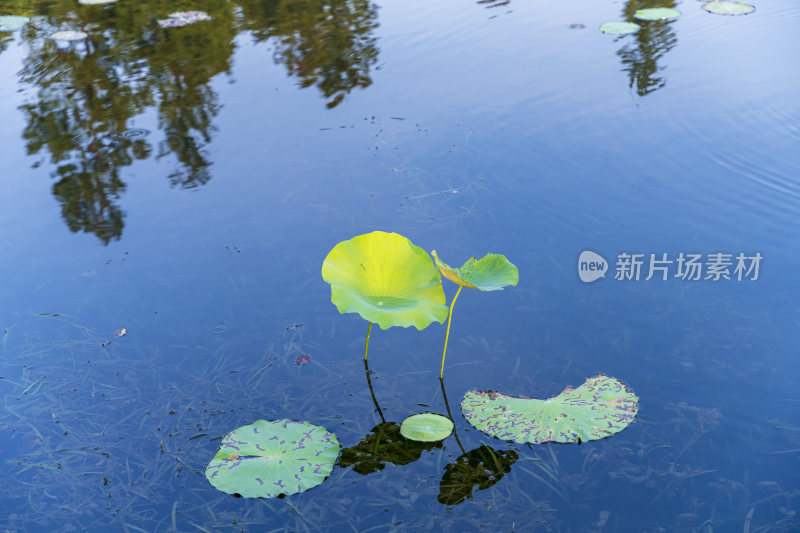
(266,459)
(183,18)
(12,22)
(490,273)
(600,407)
(386,279)
(619,28)
(725,7)
(657,13)
(426,427)
(69,35)
(96,2)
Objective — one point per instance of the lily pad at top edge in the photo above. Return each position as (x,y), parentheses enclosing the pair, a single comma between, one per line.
(657,13)
(426,427)
(726,7)
(490,273)
(619,28)
(12,22)
(69,35)
(386,279)
(268,458)
(599,408)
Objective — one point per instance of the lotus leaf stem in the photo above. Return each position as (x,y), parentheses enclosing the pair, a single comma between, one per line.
(446,335)
(366,346)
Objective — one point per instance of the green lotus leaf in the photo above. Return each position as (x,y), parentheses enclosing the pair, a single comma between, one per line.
(12,22)
(490,273)
(426,427)
(656,13)
(384,444)
(269,458)
(386,279)
(619,28)
(600,407)
(481,467)
(725,7)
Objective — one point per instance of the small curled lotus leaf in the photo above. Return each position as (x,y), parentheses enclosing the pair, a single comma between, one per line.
(490,273)
(269,458)
(657,13)
(599,408)
(12,22)
(426,427)
(386,279)
(726,7)
(619,28)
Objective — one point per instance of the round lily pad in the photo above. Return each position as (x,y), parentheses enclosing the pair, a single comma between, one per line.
(69,35)
(600,407)
(656,13)
(619,28)
(490,273)
(725,7)
(426,427)
(386,279)
(269,458)
(12,22)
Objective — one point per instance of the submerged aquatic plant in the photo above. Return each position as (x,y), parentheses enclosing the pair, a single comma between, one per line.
(599,408)
(384,444)
(387,280)
(269,458)
(490,273)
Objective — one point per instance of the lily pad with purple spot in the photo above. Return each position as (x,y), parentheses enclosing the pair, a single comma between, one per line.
(272,458)
(599,408)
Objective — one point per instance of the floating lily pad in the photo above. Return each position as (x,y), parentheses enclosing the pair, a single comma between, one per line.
(600,407)
(96,2)
(656,13)
(384,444)
(725,7)
(619,28)
(386,279)
(183,18)
(426,427)
(266,459)
(69,35)
(481,467)
(12,22)
(490,273)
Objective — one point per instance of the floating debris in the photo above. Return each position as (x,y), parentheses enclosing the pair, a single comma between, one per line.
(726,7)
(183,18)
(301,360)
(576,26)
(619,28)
(12,22)
(69,35)
(657,13)
(120,332)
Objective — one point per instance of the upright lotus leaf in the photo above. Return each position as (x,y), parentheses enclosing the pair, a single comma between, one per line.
(266,459)
(600,407)
(384,444)
(481,467)
(386,279)
(426,427)
(490,273)
(726,7)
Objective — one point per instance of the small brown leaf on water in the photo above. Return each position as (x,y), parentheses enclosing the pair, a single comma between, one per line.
(301,360)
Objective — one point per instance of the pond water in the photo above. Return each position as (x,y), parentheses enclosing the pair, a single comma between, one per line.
(186,183)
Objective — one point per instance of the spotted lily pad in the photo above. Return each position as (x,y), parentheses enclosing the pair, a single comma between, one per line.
(619,28)
(725,7)
(183,18)
(69,35)
(426,427)
(386,279)
(12,22)
(656,13)
(599,408)
(481,468)
(267,459)
(490,273)
(384,444)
